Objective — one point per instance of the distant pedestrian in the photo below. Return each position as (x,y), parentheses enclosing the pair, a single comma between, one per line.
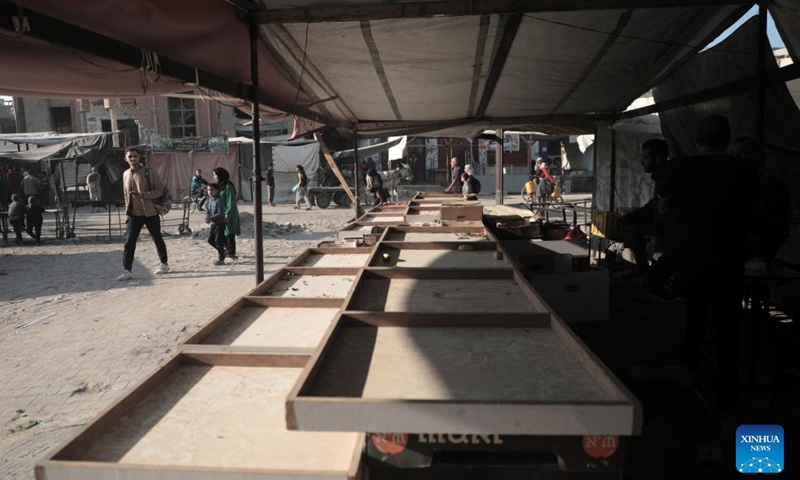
(215,217)
(14,181)
(35,218)
(455,182)
(16,215)
(5,191)
(95,190)
(30,186)
(197,188)
(227,194)
(271,186)
(301,189)
(140,186)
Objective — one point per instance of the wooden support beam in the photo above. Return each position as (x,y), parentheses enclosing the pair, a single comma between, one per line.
(327,154)
(454,8)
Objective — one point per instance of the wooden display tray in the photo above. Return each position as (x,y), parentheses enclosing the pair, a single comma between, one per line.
(204,417)
(410,233)
(267,325)
(547,256)
(438,255)
(423,209)
(507,374)
(332,257)
(388,209)
(305,283)
(438,195)
(443,291)
(423,219)
(434,204)
(358,231)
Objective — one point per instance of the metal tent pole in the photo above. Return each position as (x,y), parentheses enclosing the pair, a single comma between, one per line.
(256,179)
(763,44)
(356,165)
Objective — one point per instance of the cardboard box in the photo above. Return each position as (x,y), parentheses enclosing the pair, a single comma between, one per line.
(604,224)
(461,211)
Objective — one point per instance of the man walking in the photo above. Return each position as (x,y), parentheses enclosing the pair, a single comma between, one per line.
(141,185)
(93,185)
(455,183)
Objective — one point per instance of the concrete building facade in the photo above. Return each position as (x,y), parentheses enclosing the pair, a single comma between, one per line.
(184,115)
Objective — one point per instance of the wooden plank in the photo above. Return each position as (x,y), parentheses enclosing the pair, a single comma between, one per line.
(61,470)
(212,357)
(406,319)
(460,380)
(385,218)
(438,258)
(423,219)
(297,302)
(438,245)
(335,168)
(311,370)
(333,259)
(310,283)
(402,236)
(81,441)
(609,418)
(201,349)
(439,295)
(170,430)
(257,326)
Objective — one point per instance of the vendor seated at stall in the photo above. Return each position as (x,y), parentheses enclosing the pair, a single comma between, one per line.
(645,224)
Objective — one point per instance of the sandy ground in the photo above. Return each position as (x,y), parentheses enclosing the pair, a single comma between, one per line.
(73,339)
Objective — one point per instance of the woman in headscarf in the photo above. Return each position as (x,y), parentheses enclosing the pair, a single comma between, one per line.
(227,193)
(375,185)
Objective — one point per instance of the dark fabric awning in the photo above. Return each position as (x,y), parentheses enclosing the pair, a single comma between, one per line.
(372,67)
(82,149)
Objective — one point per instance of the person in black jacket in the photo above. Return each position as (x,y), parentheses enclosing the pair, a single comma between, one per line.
(35,219)
(375,186)
(301,189)
(645,222)
(270,186)
(712,237)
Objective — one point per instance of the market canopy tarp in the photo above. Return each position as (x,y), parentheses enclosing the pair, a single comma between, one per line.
(91,149)
(366,65)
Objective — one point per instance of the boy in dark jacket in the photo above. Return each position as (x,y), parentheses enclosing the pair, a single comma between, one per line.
(16,215)
(215,216)
(35,210)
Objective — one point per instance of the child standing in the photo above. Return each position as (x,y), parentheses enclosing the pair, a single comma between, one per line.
(35,219)
(16,215)
(301,188)
(215,216)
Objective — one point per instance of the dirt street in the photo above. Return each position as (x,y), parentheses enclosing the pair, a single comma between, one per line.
(73,339)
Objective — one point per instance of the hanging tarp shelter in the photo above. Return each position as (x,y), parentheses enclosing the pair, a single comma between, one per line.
(80,148)
(284,156)
(67,163)
(446,68)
